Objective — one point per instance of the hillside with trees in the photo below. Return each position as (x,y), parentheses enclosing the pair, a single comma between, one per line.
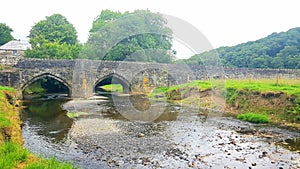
(278,50)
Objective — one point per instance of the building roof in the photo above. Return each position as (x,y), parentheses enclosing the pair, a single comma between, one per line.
(16,45)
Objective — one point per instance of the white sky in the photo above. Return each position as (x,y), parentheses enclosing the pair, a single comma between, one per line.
(223,22)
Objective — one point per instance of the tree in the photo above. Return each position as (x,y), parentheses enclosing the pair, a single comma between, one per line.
(54,38)
(117,36)
(55,50)
(5,34)
(288,55)
(55,28)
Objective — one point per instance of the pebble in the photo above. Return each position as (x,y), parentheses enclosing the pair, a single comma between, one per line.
(158,144)
(193,165)
(141,135)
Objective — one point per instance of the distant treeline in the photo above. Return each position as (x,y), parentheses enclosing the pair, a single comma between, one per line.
(278,50)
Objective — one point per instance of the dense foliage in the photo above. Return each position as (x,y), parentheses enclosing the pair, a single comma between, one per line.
(5,34)
(132,36)
(53,38)
(278,50)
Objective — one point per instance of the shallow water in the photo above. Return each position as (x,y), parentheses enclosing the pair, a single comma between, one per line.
(165,136)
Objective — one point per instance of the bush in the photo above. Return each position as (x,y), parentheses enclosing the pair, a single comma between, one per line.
(254,118)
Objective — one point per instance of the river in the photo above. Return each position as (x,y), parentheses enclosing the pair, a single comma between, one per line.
(109,133)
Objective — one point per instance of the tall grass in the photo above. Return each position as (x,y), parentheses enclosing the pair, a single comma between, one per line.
(51,163)
(11,154)
(289,86)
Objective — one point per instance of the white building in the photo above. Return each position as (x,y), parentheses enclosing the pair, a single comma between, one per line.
(15,47)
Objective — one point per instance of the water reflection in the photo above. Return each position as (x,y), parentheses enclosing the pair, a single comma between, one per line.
(140,108)
(47,118)
(291,144)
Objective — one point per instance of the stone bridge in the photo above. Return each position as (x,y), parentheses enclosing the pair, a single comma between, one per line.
(81,77)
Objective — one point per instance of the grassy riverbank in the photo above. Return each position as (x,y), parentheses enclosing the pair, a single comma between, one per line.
(12,153)
(277,99)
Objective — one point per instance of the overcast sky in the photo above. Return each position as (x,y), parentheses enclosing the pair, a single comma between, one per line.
(223,22)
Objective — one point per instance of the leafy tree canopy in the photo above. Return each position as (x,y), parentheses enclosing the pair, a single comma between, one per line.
(5,34)
(278,50)
(54,38)
(118,36)
(55,28)
(55,50)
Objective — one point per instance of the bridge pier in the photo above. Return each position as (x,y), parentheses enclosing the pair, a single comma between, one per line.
(83,86)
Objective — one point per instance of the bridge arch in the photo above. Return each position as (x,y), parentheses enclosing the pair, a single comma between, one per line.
(43,75)
(113,78)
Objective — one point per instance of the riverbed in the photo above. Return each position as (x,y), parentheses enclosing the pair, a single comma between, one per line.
(164,135)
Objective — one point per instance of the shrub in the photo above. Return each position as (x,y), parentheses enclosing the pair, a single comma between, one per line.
(254,118)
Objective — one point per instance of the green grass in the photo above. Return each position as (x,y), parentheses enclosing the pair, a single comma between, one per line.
(203,85)
(242,95)
(51,163)
(253,118)
(11,154)
(34,88)
(6,88)
(113,88)
(289,86)
(4,122)
(231,95)
(75,114)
